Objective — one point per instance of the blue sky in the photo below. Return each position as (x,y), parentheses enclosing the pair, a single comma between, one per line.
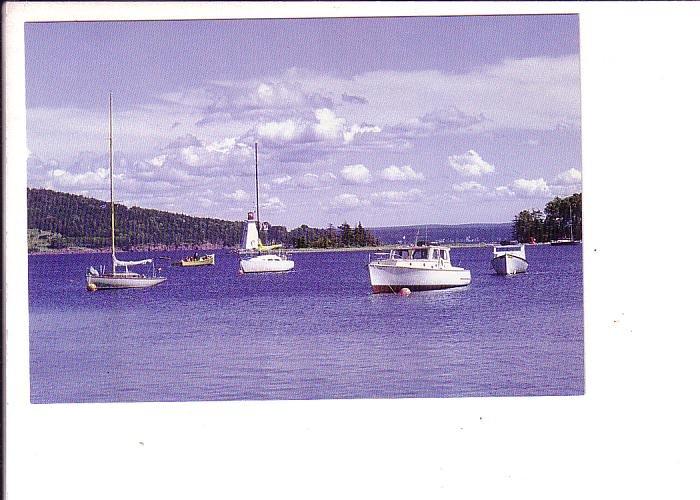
(388,121)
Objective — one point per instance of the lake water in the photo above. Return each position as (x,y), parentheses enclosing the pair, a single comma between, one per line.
(315,333)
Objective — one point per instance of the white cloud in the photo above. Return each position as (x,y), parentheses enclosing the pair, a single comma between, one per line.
(284,131)
(282,180)
(532,187)
(393,198)
(158,161)
(190,152)
(470,163)
(355,130)
(329,126)
(237,195)
(347,200)
(503,191)
(469,186)
(62,179)
(568,178)
(405,173)
(273,203)
(315,181)
(356,174)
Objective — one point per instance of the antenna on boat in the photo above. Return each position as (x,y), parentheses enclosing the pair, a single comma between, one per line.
(111,183)
(257,201)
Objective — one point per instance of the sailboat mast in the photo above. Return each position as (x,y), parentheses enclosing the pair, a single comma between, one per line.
(571,221)
(257,201)
(111,182)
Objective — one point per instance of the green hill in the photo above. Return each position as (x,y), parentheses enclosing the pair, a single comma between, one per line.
(58,220)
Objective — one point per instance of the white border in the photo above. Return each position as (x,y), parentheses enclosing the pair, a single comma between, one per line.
(633,434)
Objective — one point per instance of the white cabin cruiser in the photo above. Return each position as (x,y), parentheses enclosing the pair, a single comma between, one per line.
(509,259)
(416,268)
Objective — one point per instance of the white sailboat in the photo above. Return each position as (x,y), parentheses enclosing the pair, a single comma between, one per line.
(263,261)
(570,240)
(103,280)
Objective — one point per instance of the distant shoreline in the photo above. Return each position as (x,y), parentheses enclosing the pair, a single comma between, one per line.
(80,250)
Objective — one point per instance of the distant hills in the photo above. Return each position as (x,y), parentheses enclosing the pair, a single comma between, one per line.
(448,234)
(57,220)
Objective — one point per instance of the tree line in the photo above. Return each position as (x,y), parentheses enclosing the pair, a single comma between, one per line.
(71,220)
(561,219)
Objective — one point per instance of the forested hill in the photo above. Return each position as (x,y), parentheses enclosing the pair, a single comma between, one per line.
(77,220)
(60,220)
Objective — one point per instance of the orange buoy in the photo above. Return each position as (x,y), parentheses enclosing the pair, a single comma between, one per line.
(405,292)
(240,272)
(92,287)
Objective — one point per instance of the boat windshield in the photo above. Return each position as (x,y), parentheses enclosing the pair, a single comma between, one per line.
(507,249)
(419,253)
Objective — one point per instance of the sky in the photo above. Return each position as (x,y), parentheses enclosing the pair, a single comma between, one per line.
(383,121)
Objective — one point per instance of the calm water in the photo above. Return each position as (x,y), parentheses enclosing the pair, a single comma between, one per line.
(316,333)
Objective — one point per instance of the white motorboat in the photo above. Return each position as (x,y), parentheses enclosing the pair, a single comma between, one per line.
(416,268)
(104,280)
(262,261)
(509,259)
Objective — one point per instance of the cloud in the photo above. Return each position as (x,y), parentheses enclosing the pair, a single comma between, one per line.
(273,203)
(568,178)
(208,158)
(470,163)
(329,126)
(355,130)
(282,180)
(237,195)
(62,179)
(354,99)
(184,141)
(356,174)
(566,183)
(347,200)
(292,130)
(395,198)
(469,186)
(405,173)
(532,94)
(326,127)
(315,181)
(503,191)
(531,187)
(437,121)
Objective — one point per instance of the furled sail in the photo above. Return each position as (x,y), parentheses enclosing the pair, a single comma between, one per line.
(118,262)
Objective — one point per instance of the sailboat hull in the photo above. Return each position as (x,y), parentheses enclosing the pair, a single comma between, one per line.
(117,281)
(266,264)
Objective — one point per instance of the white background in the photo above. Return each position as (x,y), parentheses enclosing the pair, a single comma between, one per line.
(633,435)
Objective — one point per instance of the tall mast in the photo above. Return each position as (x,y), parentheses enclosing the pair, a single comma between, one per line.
(571,219)
(111,183)
(257,202)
